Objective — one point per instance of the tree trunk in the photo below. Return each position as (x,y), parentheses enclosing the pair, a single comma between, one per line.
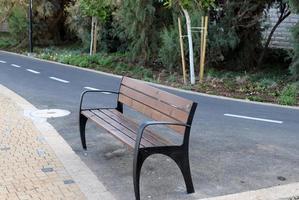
(92,36)
(281,18)
(191,56)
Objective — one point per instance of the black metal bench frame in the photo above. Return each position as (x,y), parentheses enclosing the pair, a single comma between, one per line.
(178,153)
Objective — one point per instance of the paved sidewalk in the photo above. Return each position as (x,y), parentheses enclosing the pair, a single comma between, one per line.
(36,162)
(29,168)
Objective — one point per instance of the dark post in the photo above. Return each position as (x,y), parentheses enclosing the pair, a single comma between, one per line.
(30,27)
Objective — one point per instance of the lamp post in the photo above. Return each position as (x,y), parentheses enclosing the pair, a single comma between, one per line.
(30,27)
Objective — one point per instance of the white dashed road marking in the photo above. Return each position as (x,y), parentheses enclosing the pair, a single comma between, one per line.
(17,66)
(2,61)
(91,88)
(58,79)
(33,71)
(254,118)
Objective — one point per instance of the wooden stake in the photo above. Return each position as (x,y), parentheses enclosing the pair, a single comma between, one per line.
(201,44)
(204,47)
(95,37)
(182,50)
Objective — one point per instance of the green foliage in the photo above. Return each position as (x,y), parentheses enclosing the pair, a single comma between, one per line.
(255,98)
(95,8)
(17,23)
(137,20)
(294,68)
(139,25)
(203,5)
(109,63)
(6,41)
(48,22)
(295,5)
(169,53)
(78,24)
(288,95)
(235,33)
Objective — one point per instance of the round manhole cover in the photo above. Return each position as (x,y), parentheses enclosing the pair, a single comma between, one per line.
(50,113)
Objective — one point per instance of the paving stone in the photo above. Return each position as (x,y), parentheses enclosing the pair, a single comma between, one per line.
(67,182)
(28,164)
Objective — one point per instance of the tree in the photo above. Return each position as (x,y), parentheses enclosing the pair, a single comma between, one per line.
(77,23)
(48,19)
(284,10)
(139,25)
(295,66)
(97,10)
(6,8)
(235,36)
(186,5)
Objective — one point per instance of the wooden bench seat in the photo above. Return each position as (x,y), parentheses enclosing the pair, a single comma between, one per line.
(123,128)
(162,107)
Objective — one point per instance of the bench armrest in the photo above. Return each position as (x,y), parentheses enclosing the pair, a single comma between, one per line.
(93,91)
(144,125)
(141,129)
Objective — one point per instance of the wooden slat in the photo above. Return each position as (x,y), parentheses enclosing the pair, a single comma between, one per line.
(173,100)
(150,112)
(153,103)
(123,122)
(116,133)
(148,135)
(120,128)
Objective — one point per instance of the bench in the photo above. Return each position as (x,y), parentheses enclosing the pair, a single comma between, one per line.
(164,108)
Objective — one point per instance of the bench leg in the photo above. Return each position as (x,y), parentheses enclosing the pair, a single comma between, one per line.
(179,155)
(137,165)
(82,125)
(182,160)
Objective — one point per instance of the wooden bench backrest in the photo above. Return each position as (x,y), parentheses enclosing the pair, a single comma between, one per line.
(155,103)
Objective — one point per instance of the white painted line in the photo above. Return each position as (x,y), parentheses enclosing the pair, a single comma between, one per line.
(159,85)
(95,89)
(33,71)
(254,118)
(106,93)
(14,65)
(91,88)
(2,61)
(58,79)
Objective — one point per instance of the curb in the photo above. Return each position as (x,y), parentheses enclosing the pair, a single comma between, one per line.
(89,184)
(283,192)
(159,85)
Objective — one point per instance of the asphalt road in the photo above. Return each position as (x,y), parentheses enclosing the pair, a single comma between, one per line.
(235,146)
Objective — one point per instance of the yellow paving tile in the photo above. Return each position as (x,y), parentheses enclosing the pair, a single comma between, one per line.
(29,167)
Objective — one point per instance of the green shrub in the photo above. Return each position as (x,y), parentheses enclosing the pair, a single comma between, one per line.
(294,69)
(169,53)
(17,23)
(6,41)
(267,83)
(288,96)
(255,98)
